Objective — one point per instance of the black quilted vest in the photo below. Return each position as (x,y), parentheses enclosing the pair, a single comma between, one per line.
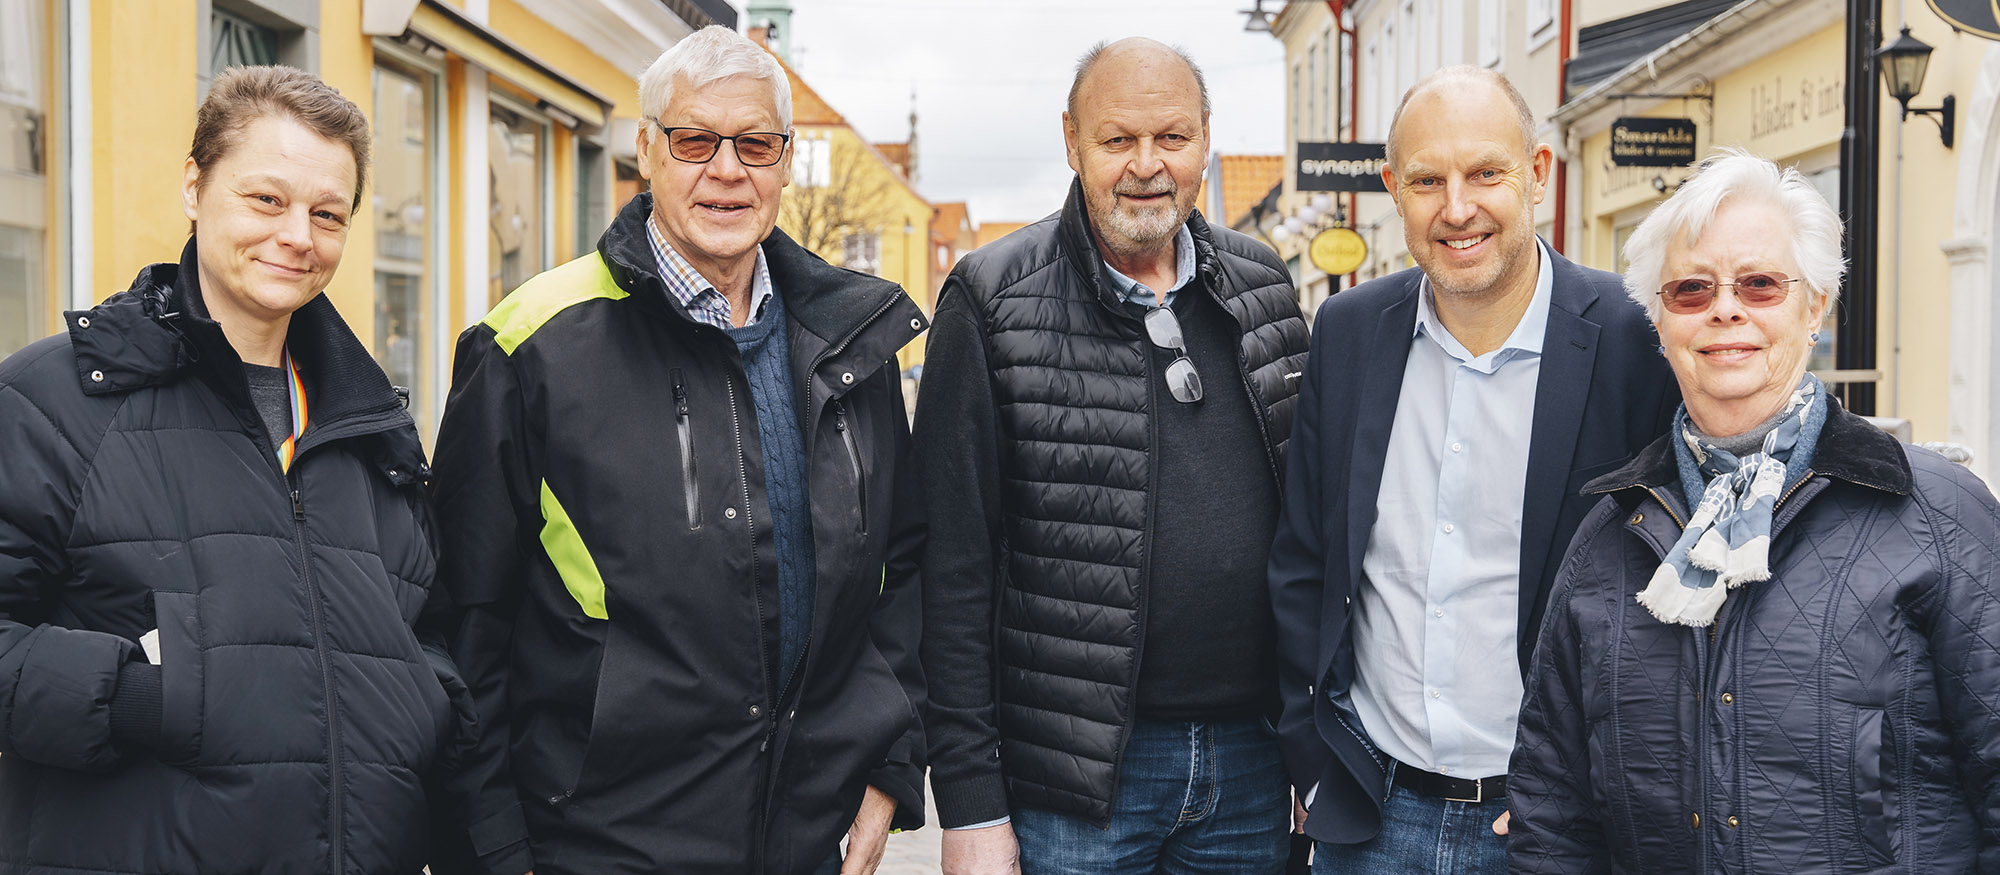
(1070,372)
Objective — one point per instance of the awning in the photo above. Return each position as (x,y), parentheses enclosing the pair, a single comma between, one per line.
(453,32)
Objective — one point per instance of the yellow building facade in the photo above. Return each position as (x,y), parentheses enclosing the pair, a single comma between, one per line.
(851,205)
(504,142)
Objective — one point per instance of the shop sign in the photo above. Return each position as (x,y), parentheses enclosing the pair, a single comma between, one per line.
(1339,167)
(1338,251)
(1977,16)
(1652,142)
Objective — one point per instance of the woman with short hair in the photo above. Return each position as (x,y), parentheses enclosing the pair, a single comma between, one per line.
(1775,644)
(214,541)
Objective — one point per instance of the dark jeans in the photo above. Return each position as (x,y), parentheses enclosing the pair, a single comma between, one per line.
(1423,834)
(1192,798)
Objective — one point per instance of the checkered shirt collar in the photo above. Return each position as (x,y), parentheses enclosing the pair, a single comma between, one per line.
(696,293)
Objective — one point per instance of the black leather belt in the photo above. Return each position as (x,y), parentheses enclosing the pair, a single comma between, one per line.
(1450,789)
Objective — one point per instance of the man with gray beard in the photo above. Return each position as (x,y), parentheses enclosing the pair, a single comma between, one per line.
(1102,428)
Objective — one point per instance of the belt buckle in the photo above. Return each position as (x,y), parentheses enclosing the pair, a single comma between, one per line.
(1478,792)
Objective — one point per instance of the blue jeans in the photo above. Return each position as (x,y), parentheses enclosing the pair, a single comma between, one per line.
(1423,834)
(1192,798)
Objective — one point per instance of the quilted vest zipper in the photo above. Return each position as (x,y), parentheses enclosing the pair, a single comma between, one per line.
(854,458)
(689,488)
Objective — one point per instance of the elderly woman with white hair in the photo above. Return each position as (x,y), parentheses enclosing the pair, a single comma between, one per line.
(1775,643)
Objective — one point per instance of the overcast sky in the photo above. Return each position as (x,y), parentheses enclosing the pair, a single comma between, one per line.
(991,75)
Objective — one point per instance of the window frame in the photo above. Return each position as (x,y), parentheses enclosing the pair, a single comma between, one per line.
(439,216)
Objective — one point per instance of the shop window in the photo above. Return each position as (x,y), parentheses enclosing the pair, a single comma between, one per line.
(626,183)
(25,142)
(1490,36)
(517,223)
(404,196)
(235,41)
(241,33)
(593,194)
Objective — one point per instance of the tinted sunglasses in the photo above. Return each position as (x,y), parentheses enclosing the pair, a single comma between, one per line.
(1696,294)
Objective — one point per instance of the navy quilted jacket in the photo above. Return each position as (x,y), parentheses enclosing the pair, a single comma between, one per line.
(1843,716)
(289,716)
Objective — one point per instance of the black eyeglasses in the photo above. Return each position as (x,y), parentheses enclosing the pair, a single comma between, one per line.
(699,145)
(1165,331)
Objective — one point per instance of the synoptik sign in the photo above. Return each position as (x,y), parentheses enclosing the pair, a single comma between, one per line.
(1339,167)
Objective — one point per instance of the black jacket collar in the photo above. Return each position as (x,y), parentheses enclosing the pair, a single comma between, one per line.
(157,331)
(1849,449)
(872,316)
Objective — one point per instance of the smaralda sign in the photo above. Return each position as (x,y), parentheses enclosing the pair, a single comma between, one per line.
(1652,142)
(1339,167)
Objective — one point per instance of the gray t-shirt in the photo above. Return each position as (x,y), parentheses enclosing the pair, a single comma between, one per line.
(273,399)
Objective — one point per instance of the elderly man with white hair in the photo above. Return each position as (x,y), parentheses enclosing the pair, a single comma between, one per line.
(1776,640)
(680,529)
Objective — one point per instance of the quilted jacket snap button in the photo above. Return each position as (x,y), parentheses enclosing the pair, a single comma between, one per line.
(83,321)
(1697,819)
(97,376)
(1638,518)
(1728,699)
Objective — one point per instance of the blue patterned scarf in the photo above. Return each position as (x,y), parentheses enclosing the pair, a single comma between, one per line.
(1728,539)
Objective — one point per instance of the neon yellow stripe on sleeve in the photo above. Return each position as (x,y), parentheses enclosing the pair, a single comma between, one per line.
(566,550)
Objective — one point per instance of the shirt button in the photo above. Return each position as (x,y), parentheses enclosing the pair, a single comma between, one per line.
(1444,770)
(729,512)
(1448,528)
(1435,694)
(1456,446)
(1437,612)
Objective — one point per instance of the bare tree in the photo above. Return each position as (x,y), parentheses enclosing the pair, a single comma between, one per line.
(839,191)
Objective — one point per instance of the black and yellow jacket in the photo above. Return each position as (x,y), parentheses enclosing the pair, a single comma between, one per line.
(609,580)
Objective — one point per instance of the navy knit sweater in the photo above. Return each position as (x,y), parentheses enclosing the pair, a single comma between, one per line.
(767,362)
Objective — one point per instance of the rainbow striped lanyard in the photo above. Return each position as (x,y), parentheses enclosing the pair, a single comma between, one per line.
(298,390)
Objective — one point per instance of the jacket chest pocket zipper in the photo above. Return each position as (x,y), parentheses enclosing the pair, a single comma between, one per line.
(854,458)
(689,488)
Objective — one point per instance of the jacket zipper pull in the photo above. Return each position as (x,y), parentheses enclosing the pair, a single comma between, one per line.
(680,395)
(298,507)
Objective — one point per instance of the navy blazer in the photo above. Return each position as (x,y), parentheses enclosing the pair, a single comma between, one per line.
(1604,393)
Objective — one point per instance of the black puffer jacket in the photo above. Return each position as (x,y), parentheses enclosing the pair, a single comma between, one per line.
(1035,418)
(1843,716)
(292,713)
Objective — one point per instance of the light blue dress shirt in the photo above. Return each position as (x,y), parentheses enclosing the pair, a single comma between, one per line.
(1132,291)
(1438,682)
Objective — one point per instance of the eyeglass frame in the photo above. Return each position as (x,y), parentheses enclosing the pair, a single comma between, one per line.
(784,142)
(1179,349)
(1784,283)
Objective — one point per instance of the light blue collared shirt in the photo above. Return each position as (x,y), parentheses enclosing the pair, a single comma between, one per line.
(1131,291)
(1438,681)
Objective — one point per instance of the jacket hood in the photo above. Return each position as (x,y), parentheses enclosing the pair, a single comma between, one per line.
(157,331)
(1850,449)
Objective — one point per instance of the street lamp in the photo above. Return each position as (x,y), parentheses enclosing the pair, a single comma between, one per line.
(1260,21)
(1903,64)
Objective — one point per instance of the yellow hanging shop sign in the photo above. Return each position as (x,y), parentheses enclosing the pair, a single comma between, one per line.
(1338,251)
